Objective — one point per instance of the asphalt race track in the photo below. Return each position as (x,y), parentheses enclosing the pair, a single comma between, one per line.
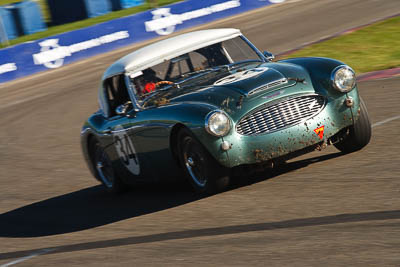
(322,209)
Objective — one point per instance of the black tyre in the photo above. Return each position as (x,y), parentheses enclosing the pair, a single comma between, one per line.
(203,172)
(104,169)
(360,133)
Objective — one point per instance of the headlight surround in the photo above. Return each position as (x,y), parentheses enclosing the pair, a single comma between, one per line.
(343,78)
(217,123)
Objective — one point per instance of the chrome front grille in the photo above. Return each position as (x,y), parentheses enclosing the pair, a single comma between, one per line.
(272,117)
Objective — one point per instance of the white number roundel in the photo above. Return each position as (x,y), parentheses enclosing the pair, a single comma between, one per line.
(241,75)
(126,151)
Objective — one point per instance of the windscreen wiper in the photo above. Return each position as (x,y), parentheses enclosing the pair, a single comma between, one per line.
(196,72)
(240,63)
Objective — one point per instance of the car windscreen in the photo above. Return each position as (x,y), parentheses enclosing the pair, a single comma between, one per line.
(193,64)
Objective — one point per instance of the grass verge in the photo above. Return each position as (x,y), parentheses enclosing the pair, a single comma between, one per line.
(375,47)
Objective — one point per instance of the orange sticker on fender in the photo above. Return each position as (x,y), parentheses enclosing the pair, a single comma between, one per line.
(320,132)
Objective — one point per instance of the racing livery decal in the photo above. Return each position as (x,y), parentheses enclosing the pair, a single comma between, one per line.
(241,75)
(320,132)
(126,151)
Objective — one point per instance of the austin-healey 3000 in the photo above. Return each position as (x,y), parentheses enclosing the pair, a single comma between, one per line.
(208,103)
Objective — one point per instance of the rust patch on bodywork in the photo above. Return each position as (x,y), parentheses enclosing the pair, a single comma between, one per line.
(226,102)
(305,124)
(260,155)
(321,146)
(239,103)
(161,101)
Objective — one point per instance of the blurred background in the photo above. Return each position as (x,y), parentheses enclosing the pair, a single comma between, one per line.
(42,18)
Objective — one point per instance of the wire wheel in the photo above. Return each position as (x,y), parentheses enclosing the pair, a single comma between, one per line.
(360,133)
(104,169)
(203,172)
(194,161)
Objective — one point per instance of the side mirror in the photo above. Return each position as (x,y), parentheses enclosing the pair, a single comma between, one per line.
(123,109)
(268,55)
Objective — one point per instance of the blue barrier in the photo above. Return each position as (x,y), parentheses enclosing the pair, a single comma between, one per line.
(30,17)
(96,8)
(7,23)
(66,11)
(56,51)
(121,4)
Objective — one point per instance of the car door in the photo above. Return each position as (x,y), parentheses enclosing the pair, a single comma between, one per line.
(125,149)
(118,130)
(136,147)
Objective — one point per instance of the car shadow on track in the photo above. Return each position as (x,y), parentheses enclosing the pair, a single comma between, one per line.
(93,207)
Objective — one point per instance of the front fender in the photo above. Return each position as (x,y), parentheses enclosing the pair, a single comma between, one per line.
(192,116)
(320,70)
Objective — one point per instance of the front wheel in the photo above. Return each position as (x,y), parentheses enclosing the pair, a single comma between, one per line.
(360,133)
(203,172)
(104,169)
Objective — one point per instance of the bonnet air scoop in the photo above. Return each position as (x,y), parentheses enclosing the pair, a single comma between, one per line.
(267,86)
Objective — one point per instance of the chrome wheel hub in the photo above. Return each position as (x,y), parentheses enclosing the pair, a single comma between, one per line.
(104,169)
(194,161)
(190,161)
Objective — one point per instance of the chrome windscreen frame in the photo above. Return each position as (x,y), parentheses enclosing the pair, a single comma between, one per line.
(260,55)
(103,104)
(131,91)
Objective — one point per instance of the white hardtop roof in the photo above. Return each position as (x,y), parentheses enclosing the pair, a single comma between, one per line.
(158,52)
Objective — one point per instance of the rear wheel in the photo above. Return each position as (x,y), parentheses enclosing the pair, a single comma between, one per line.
(360,133)
(203,172)
(104,169)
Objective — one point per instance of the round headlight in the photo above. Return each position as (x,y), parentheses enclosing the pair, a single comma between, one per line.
(218,123)
(343,78)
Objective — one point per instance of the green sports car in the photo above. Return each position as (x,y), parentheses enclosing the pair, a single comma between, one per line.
(209,104)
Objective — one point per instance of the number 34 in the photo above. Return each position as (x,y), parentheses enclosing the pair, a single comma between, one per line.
(126,152)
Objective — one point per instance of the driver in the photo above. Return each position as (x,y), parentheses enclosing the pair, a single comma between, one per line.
(150,80)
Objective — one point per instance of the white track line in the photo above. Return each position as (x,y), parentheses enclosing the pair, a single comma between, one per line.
(382,122)
(40,252)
